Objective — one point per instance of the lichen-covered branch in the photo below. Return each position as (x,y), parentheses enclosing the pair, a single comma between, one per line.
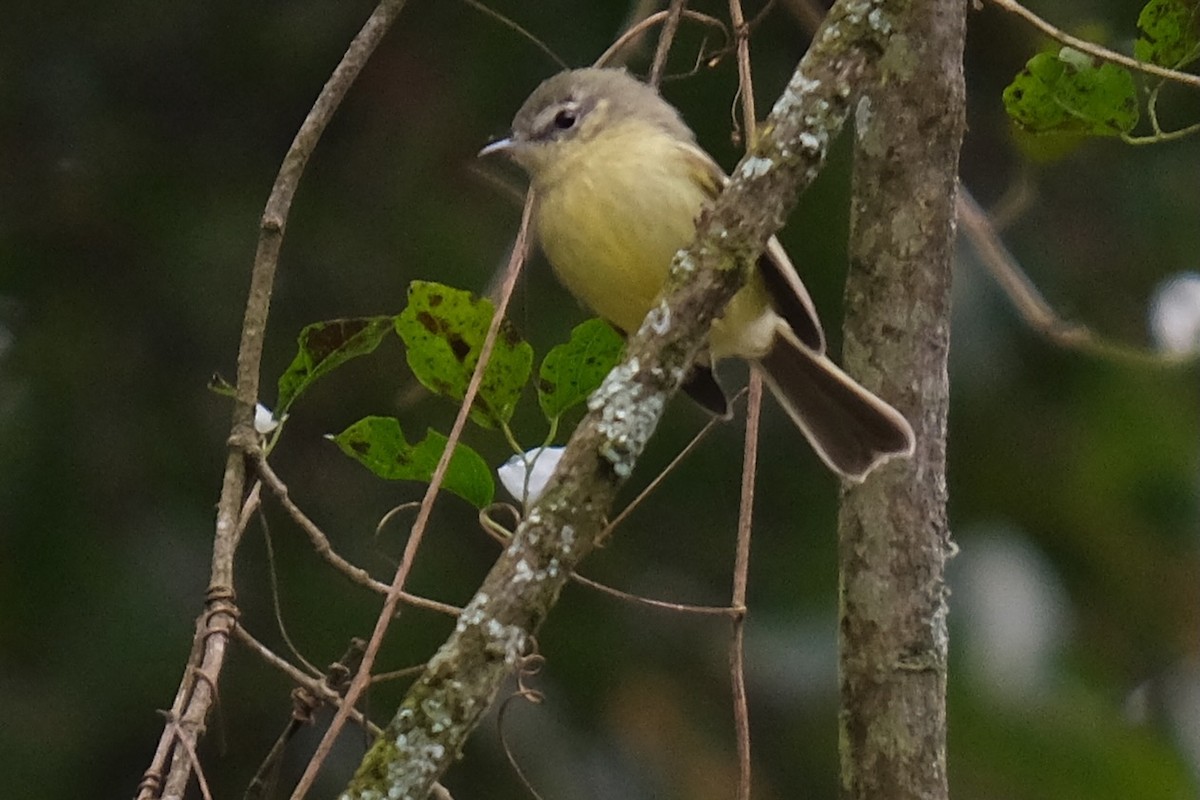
(893,535)
(495,630)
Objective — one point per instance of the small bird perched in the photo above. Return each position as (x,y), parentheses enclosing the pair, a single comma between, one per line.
(618,183)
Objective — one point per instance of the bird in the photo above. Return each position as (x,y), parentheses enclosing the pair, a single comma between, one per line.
(618,183)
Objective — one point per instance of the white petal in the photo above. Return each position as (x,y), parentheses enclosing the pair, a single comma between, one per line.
(264,419)
(538,464)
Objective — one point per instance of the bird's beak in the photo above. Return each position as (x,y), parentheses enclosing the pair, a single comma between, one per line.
(506,145)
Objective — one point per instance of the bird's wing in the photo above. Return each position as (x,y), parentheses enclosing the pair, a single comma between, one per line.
(787,292)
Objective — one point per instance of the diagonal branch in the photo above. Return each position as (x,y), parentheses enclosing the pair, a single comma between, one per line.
(1033,308)
(495,631)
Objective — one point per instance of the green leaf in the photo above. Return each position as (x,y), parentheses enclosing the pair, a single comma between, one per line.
(443,329)
(218,385)
(1069,92)
(573,370)
(1169,33)
(325,346)
(378,444)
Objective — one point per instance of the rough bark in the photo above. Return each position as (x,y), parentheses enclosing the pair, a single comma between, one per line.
(893,534)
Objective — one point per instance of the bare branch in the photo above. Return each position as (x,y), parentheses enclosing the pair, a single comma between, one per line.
(317,687)
(741,575)
(665,605)
(1033,308)
(324,549)
(625,38)
(741,39)
(665,38)
(745,527)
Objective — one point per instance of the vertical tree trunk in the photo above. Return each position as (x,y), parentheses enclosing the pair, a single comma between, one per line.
(893,536)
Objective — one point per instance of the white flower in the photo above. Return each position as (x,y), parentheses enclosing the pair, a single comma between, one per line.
(525,476)
(1175,314)
(264,419)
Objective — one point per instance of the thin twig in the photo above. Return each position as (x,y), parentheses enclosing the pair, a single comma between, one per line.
(533,697)
(741,39)
(316,686)
(324,549)
(1033,308)
(249,509)
(305,704)
(700,436)
(1161,136)
(514,26)
(212,634)
(665,38)
(685,608)
(391,604)
(152,783)
(397,674)
(506,187)
(394,513)
(189,747)
(762,14)
(741,571)
(1013,202)
(648,22)
(277,604)
(503,537)
(1103,53)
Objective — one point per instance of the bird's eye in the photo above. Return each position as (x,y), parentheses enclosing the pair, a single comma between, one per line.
(565,119)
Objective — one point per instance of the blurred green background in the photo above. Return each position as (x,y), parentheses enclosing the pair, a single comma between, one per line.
(138,142)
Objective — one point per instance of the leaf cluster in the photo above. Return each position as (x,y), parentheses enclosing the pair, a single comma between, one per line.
(443,329)
(1070,95)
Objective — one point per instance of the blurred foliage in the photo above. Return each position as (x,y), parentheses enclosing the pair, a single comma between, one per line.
(1070,92)
(1064,94)
(1168,33)
(137,145)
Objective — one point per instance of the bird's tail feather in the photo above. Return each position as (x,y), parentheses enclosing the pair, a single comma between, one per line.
(852,430)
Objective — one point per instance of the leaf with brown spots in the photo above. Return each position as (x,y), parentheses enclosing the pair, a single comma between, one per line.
(378,444)
(443,330)
(323,347)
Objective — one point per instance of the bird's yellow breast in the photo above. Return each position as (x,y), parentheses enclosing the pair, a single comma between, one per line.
(612,212)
